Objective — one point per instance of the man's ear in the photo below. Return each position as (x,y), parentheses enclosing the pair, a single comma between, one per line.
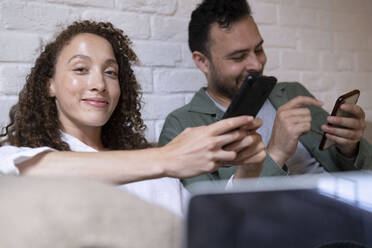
(51,87)
(201,61)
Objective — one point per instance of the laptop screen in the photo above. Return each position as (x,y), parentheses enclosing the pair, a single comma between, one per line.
(289,216)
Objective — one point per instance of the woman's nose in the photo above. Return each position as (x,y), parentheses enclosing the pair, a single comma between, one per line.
(97,82)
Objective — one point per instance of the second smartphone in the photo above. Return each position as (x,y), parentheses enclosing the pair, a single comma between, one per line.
(350,98)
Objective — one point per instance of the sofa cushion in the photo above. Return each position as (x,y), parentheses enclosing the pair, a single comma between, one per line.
(40,212)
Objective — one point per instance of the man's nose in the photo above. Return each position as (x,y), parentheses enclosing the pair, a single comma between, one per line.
(253,64)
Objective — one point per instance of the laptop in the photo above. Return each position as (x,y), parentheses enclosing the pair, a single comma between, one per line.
(333,210)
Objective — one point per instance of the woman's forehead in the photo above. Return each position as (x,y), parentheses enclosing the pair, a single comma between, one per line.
(88,45)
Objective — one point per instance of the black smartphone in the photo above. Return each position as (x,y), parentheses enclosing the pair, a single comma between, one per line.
(350,98)
(250,96)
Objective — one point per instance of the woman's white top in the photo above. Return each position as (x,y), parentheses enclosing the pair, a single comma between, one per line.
(166,192)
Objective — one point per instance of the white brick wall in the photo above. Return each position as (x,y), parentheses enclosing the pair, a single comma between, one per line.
(325,44)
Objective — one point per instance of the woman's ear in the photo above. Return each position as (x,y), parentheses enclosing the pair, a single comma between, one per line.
(201,61)
(51,88)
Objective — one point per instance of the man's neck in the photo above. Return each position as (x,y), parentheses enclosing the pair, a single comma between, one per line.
(222,100)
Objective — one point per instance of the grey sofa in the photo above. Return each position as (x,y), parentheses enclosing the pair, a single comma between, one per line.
(39,212)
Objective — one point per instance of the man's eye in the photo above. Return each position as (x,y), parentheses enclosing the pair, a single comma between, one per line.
(259,50)
(237,59)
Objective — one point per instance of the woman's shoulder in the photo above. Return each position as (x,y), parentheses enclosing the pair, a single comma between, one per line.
(10,149)
(12,155)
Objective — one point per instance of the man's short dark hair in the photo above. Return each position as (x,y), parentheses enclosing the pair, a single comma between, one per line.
(223,12)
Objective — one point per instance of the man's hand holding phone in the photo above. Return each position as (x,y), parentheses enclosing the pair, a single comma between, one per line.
(292,121)
(346,129)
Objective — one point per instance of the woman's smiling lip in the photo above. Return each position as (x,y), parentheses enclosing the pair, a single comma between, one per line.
(96,102)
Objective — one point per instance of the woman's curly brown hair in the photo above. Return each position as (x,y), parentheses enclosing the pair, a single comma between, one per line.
(34,119)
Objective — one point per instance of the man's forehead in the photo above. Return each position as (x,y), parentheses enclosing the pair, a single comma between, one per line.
(242,34)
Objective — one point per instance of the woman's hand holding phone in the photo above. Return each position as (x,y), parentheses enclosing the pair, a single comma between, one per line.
(250,150)
(248,100)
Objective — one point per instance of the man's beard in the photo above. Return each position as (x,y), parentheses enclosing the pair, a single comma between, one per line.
(225,90)
(222,86)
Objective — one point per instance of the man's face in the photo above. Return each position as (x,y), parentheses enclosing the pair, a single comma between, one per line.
(234,53)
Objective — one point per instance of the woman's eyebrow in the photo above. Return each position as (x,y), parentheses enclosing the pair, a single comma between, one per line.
(111,61)
(79,56)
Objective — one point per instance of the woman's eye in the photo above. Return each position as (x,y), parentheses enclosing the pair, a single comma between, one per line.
(80,70)
(111,73)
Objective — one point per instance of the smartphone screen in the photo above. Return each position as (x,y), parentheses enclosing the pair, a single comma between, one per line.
(350,98)
(251,96)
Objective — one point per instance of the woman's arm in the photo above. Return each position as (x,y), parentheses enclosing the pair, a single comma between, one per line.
(195,151)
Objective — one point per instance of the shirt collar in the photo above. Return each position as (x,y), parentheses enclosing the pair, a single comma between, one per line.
(75,144)
(202,103)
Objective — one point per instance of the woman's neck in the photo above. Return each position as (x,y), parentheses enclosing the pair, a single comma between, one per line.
(90,136)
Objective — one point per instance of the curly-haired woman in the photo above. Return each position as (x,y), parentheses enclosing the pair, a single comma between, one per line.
(78,115)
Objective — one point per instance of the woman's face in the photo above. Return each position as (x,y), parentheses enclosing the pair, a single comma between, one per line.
(85,84)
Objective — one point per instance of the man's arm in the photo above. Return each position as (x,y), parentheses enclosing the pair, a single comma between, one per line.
(271,168)
(362,160)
